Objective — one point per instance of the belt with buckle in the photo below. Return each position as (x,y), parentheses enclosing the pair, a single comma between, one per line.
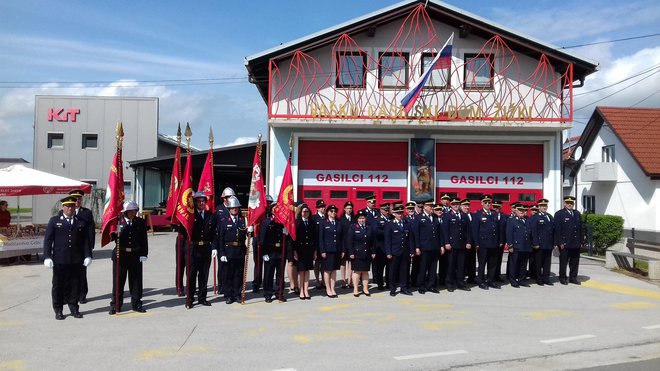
(200,243)
(234,244)
(276,245)
(128,249)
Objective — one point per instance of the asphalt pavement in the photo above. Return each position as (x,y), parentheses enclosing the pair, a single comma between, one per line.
(610,322)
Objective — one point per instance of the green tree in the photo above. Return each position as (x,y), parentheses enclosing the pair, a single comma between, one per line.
(606,230)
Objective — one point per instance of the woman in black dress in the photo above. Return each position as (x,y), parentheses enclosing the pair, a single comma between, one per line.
(303,249)
(361,252)
(330,247)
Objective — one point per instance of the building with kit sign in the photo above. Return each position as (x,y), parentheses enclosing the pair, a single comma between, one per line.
(489,117)
(74,137)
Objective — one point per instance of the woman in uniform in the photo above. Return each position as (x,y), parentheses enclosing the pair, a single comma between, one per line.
(361,252)
(330,247)
(303,249)
(346,220)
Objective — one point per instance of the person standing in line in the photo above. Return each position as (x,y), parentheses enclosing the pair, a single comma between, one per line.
(428,239)
(501,232)
(543,242)
(66,251)
(201,243)
(519,240)
(271,235)
(457,240)
(133,251)
(318,218)
(399,248)
(230,246)
(346,220)
(568,235)
(361,252)
(331,247)
(379,274)
(443,259)
(485,228)
(304,249)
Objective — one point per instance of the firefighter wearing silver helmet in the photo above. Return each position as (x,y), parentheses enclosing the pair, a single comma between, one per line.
(222,212)
(230,246)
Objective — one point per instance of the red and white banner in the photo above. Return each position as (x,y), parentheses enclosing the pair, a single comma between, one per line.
(354,178)
(447,180)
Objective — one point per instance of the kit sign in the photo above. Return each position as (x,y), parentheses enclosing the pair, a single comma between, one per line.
(354,178)
(490,180)
(62,115)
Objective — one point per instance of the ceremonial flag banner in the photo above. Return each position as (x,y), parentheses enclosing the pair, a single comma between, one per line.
(284,209)
(185,209)
(114,199)
(257,199)
(175,180)
(206,182)
(441,61)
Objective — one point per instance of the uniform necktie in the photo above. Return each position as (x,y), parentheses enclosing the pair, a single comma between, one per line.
(202,214)
(305,221)
(333,222)
(233,219)
(70,220)
(400,225)
(459,216)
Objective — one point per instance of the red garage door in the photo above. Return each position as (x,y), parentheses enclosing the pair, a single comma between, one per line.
(337,171)
(510,172)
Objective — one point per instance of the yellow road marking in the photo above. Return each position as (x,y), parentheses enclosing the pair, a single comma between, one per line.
(17,364)
(170,352)
(325,336)
(436,326)
(633,305)
(5,324)
(547,314)
(333,307)
(621,289)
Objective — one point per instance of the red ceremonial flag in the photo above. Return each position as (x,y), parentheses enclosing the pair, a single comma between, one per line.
(185,209)
(257,199)
(206,182)
(284,209)
(175,180)
(114,199)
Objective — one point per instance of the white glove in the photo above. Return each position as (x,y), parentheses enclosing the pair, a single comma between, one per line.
(87,262)
(143,259)
(266,258)
(285,231)
(251,229)
(48,263)
(214,253)
(223,259)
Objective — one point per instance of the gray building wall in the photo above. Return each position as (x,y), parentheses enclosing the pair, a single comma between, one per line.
(99,116)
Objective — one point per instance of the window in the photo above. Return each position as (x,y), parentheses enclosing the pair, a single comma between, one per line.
(589,203)
(351,69)
(363,194)
(56,140)
(89,141)
(439,79)
(391,195)
(502,197)
(527,197)
(312,194)
(474,196)
(608,153)
(393,70)
(478,71)
(338,194)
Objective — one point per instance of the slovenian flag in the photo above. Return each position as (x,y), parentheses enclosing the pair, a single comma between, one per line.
(441,61)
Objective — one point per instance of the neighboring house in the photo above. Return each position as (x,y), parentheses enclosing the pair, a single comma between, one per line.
(619,170)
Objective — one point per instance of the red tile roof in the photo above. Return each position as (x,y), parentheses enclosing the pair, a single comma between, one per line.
(639,130)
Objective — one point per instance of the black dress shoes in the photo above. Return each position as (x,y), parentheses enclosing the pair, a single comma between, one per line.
(434,290)
(139,309)
(112,311)
(494,285)
(205,303)
(392,293)
(421,291)
(574,281)
(464,288)
(563,281)
(483,286)
(77,314)
(231,300)
(83,300)
(406,292)
(269,300)
(524,284)
(514,284)
(59,316)
(450,289)
(283,299)
(366,293)
(549,283)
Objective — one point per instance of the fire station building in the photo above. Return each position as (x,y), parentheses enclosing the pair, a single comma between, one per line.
(488,119)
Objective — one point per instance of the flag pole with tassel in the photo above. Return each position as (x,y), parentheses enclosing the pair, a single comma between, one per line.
(249,239)
(212,200)
(281,272)
(120,174)
(179,253)
(188,134)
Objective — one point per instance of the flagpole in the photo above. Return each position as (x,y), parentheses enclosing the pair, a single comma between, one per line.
(178,235)
(215,283)
(281,272)
(249,241)
(188,134)
(120,136)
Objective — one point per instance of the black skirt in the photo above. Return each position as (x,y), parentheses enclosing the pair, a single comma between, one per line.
(361,265)
(331,262)
(305,260)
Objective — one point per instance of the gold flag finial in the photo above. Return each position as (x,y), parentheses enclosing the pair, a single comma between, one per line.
(119,130)
(178,133)
(211,137)
(188,134)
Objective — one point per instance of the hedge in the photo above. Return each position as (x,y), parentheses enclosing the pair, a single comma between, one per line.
(606,230)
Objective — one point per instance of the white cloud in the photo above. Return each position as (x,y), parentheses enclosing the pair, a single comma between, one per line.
(241,140)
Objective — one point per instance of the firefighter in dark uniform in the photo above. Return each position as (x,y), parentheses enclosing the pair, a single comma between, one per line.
(361,251)
(346,219)
(331,248)
(444,201)
(443,259)
(86,215)
(457,238)
(230,244)
(543,241)
(271,236)
(257,254)
(133,251)
(379,273)
(66,251)
(501,232)
(399,248)
(470,254)
(519,241)
(485,232)
(317,218)
(428,239)
(568,236)
(370,211)
(221,212)
(531,272)
(410,218)
(201,243)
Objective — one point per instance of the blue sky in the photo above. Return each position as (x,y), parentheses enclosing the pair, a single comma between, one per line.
(120,42)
